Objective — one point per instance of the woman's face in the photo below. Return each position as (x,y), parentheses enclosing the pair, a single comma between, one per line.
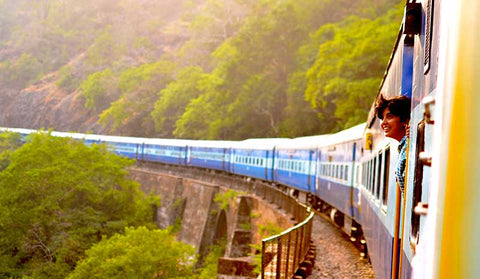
(392,126)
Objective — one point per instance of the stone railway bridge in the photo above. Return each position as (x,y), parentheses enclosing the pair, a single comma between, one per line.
(211,213)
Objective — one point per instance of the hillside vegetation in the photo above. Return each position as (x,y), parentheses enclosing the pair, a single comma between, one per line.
(200,69)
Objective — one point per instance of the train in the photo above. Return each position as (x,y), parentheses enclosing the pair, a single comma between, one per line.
(428,231)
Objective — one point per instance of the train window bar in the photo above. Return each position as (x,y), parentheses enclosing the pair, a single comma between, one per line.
(386,176)
(379,175)
(417,184)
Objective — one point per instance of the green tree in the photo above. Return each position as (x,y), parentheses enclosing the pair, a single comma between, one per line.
(98,89)
(131,113)
(57,198)
(174,99)
(22,71)
(8,143)
(139,253)
(343,80)
(210,266)
(105,50)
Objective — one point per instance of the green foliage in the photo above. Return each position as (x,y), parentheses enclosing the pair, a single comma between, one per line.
(175,97)
(20,72)
(269,229)
(8,143)
(105,49)
(263,72)
(66,79)
(257,258)
(139,87)
(255,214)
(350,61)
(57,198)
(210,266)
(96,89)
(201,119)
(139,253)
(224,199)
(207,69)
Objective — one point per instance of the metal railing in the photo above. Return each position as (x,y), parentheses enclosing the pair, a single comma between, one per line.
(282,254)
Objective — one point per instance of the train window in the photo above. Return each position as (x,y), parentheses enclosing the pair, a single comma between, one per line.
(379,173)
(386,171)
(357,179)
(345,173)
(340,168)
(368,175)
(417,183)
(364,174)
(372,176)
(374,180)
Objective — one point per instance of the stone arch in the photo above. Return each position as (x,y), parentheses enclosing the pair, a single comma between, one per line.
(242,235)
(243,215)
(221,227)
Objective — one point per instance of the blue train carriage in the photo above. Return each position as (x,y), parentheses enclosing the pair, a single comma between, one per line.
(126,146)
(167,151)
(390,225)
(87,139)
(338,183)
(380,199)
(448,245)
(210,154)
(296,163)
(425,47)
(255,157)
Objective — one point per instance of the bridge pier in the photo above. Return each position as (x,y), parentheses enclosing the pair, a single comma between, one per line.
(204,221)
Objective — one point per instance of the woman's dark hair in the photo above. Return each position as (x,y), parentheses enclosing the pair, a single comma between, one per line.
(398,106)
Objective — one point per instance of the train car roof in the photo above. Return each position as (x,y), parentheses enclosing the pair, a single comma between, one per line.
(350,134)
(210,143)
(17,130)
(309,142)
(261,143)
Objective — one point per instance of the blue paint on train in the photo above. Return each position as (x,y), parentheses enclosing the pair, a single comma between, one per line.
(296,168)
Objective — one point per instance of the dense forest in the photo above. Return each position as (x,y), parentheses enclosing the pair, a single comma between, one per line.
(200,69)
(68,210)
